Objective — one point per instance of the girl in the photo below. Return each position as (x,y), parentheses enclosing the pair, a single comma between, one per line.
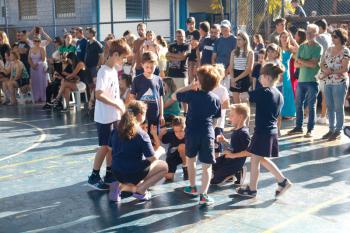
(125,86)
(5,72)
(257,67)
(288,50)
(133,158)
(171,107)
(163,49)
(37,62)
(241,63)
(264,143)
(19,77)
(149,45)
(69,83)
(259,44)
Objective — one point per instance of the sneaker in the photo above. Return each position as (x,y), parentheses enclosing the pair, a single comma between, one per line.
(308,134)
(295,131)
(204,199)
(283,187)
(109,178)
(143,197)
(46,107)
(327,135)
(246,192)
(347,131)
(240,176)
(306,120)
(96,182)
(322,121)
(191,190)
(114,192)
(221,182)
(335,136)
(185,171)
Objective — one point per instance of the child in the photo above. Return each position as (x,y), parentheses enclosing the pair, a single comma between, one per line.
(150,45)
(171,107)
(264,144)
(176,151)
(108,110)
(257,67)
(134,162)
(224,98)
(192,58)
(204,107)
(148,88)
(230,164)
(125,86)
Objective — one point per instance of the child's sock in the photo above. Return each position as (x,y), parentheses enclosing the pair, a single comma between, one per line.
(108,171)
(95,172)
(185,171)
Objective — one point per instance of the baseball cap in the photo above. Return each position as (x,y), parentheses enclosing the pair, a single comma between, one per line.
(225,23)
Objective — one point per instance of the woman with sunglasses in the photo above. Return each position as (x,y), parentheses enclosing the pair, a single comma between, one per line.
(37,60)
(335,67)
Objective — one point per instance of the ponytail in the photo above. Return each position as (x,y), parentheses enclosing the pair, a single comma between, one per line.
(272,70)
(127,128)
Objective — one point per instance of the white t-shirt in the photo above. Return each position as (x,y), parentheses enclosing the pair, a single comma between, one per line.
(223,95)
(107,81)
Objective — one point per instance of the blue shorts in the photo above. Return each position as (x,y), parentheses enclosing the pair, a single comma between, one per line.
(204,146)
(219,146)
(104,132)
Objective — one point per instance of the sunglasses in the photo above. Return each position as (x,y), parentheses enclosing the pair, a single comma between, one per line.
(36,41)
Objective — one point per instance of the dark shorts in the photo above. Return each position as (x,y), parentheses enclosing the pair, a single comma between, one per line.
(219,146)
(173,160)
(243,84)
(93,71)
(225,167)
(204,146)
(134,177)
(104,132)
(265,145)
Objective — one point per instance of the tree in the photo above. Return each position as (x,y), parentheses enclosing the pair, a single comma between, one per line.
(217,7)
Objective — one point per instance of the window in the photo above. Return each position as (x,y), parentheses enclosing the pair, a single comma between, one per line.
(65,8)
(27,9)
(134,9)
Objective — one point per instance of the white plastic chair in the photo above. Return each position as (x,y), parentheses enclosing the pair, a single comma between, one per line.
(75,95)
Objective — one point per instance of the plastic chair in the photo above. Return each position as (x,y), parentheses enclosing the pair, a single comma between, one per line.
(76,95)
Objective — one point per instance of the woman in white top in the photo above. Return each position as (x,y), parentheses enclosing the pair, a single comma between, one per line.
(241,66)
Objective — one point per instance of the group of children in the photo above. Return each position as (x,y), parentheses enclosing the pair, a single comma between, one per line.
(129,135)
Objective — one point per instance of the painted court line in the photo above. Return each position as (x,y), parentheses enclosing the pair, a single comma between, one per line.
(308,211)
(41,139)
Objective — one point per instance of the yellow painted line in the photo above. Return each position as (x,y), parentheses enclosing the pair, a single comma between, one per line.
(41,139)
(72,162)
(4,177)
(30,161)
(309,211)
(53,166)
(29,171)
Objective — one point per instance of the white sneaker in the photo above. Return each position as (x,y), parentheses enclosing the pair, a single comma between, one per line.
(322,120)
(306,120)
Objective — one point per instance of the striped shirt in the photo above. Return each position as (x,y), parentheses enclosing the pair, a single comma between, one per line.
(240,62)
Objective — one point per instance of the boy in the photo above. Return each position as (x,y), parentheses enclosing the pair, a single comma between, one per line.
(148,88)
(108,110)
(204,106)
(228,165)
(176,152)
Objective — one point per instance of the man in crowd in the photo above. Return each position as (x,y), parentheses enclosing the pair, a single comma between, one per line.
(280,26)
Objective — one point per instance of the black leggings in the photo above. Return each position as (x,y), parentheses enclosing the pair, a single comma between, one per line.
(52,90)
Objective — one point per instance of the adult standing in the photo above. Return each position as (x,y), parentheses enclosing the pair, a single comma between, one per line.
(325,40)
(300,13)
(4,45)
(93,60)
(335,67)
(137,50)
(223,47)
(81,44)
(191,32)
(67,46)
(38,32)
(308,60)
(37,59)
(177,55)
(23,49)
(280,26)
(207,48)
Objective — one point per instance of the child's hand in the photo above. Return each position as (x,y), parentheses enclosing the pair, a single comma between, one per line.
(194,85)
(163,131)
(220,138)
(162,121)
(154,130)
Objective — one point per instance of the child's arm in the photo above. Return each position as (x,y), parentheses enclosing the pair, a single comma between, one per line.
(192,86)
(241,154)
(163,131)
(161,111)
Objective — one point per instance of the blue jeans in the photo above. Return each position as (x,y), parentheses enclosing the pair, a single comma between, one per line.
(306,92)
(335,97)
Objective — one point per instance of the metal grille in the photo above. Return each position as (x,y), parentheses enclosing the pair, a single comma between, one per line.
(27,9)
(65,8)
(137,9)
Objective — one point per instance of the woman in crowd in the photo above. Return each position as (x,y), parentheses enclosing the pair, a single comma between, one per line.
(258,45)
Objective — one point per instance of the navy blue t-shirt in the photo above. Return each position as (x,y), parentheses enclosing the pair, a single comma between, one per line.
(148,91)
(256,75)
(240,140)
(128,155)
(81,48)
(269,102)
(202,108)
(207,49)
(171,139)
(223,48)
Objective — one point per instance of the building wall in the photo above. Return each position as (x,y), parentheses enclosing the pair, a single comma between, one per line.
(159,9)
